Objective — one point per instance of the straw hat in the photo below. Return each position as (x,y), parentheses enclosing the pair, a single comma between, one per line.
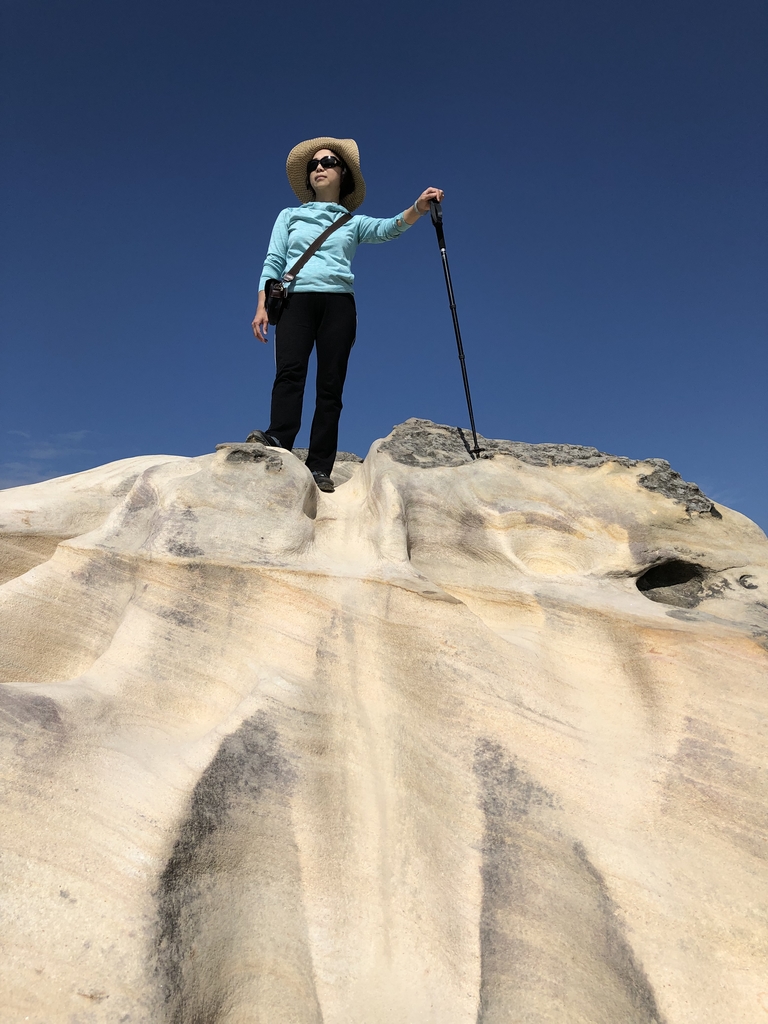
(299,157)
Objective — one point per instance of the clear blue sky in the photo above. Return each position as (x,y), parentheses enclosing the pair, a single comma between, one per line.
(604,168)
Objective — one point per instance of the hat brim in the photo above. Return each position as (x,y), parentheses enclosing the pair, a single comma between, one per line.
(299,157)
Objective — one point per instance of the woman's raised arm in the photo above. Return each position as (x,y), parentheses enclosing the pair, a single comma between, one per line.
(375,229)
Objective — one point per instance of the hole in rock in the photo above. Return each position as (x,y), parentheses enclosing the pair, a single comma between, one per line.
(675,582)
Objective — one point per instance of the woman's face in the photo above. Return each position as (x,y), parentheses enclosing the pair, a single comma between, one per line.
(325,180)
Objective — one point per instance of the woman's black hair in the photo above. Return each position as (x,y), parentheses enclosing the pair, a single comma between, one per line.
(347,180)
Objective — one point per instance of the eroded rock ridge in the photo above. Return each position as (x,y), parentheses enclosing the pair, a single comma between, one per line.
(467,741)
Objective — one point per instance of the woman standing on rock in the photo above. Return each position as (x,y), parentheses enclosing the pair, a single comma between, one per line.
(325,175)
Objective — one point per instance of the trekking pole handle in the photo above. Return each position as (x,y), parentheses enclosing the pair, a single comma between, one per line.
(436,212)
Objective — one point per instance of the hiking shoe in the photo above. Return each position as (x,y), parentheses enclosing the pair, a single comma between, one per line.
(323,481)
(262,438)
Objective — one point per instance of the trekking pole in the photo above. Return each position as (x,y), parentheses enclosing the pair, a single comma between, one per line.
(436,211)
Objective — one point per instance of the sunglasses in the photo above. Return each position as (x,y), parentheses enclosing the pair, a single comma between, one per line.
(326,162)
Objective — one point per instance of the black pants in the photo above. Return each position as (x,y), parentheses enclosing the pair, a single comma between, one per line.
(329,320)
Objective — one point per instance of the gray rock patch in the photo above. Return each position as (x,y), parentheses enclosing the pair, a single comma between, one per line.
(429,445)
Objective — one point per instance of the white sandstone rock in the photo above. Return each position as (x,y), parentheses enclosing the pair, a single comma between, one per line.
(421,751)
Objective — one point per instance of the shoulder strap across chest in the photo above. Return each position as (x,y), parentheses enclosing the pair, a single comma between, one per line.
(302,260)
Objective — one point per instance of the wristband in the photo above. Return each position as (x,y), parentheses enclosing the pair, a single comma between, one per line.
(416,208)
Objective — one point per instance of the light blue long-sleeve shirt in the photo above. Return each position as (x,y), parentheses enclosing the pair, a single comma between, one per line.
(330,269)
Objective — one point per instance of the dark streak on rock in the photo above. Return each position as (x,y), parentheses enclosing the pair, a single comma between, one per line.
(97,997)
(183,550)
(508,791)
(125,485)
(142,495)
(182,618)
(549,929)
(247,762)
(616,952)
(217,859)
(103,569)
(30,709)
(722,788)
(31,728)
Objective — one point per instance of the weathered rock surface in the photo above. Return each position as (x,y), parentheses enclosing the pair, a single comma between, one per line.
(466,741)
